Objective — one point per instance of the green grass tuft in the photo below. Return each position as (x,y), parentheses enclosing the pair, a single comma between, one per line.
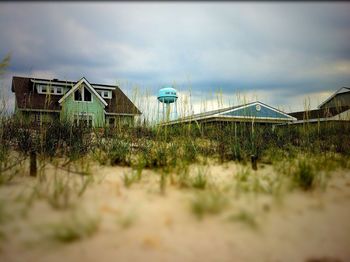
(245,217)
(74,228)
(208,202)
(304,175)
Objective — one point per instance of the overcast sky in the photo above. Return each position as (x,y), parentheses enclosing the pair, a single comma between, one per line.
(278,53)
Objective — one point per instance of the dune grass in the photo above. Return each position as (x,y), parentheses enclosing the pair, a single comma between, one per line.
(75,226)
(210,202)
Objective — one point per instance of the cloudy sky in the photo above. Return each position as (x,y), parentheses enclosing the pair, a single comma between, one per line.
(282,54)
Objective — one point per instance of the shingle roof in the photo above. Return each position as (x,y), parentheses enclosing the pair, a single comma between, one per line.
(28,98)
(208,113)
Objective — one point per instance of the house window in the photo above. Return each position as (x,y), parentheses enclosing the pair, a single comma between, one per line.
(82,120)
(37,118)
(87,95)
(77,95)
(111,121)
(59,91)
(105,94)
(83,94)
(47,89)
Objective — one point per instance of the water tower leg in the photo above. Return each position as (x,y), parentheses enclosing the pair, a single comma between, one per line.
(175,117)
(167,112)
(158,112)
(163,111)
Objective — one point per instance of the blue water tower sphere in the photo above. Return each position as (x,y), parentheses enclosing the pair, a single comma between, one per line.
(167,95)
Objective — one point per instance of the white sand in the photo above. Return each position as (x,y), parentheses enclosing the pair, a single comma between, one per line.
(295,227)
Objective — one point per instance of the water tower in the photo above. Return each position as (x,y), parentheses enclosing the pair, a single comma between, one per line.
(167,97)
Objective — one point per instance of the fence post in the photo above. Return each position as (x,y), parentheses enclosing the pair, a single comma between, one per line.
(254,161)
(33,167)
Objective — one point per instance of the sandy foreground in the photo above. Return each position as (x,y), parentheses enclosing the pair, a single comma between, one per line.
(141,224)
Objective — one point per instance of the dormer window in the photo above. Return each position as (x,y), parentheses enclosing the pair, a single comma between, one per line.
(105,94)
(49,90)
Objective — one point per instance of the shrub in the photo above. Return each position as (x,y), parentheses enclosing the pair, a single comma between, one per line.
(304,175)
(200,180)
(118,152)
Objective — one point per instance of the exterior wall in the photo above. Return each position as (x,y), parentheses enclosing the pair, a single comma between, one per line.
(342,99)
(95,108)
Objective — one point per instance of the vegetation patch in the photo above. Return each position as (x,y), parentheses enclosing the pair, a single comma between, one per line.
(208,202)
(245,217)
(74,227)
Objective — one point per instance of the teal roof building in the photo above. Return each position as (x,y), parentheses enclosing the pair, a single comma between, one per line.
(256,112)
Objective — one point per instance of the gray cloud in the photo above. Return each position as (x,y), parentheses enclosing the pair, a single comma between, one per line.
(288,49)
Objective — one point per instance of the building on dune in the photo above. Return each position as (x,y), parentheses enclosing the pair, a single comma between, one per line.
(42,101)
(339,99)
(336,108)
(255,112)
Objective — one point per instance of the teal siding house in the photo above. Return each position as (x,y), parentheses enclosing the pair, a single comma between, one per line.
(82,103)
(255,112)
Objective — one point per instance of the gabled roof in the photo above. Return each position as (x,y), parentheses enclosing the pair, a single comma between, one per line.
(268,112)
(76,86)
(227,113)
(27,97)
(339,91)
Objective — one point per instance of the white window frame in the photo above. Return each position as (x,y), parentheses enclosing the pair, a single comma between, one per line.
(82,90)
(105,93)
(78,117)
(49,88)
(59,88)
(109,94)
